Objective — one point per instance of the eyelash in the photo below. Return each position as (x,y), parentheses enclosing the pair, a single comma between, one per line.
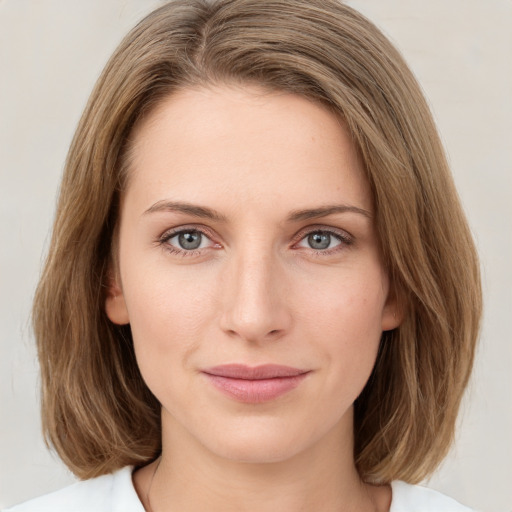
(343,237)
(168,235)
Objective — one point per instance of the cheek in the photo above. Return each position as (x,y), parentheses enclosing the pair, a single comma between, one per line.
(343,318)
(350,303)
(168,312)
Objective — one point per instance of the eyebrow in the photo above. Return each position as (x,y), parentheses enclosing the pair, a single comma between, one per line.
(324,211)
(190,209)
(295,216)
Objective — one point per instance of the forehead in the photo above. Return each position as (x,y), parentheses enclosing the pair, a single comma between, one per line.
(201,143)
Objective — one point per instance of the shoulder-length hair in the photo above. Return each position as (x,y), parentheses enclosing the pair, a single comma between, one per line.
(97,412)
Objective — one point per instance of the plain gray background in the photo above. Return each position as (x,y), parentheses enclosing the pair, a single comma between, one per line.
(51,52)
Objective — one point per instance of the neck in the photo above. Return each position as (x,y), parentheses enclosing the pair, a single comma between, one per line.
(192,478)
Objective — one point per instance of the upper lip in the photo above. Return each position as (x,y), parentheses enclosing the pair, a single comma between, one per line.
(265,371)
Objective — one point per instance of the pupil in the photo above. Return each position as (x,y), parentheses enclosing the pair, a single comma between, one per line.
(319,240)
(190,240)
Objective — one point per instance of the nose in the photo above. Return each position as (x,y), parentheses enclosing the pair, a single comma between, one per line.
(255,308)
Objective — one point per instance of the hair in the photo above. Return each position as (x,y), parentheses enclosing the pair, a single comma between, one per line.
(97,412)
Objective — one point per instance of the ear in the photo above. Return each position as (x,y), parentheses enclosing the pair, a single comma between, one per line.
(393,313)
(115,305)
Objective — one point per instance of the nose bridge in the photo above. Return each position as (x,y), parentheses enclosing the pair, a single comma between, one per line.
(254,304)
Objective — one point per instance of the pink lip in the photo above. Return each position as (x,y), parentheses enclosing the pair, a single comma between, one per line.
(254,384)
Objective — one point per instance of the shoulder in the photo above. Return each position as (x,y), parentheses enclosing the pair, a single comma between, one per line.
(415,498)
(113,493)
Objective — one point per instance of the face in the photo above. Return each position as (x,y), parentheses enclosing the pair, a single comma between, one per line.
(249,271)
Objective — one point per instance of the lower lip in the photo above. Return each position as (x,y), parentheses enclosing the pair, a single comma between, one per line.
(255,391)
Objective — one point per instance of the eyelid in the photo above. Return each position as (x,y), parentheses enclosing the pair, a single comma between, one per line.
(168,234)
(345,238)
(341,233)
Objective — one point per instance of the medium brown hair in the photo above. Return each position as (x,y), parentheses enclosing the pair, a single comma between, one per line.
(97,411)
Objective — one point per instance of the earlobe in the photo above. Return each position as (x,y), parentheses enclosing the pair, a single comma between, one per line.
(393,313)
(391,319)
(115,305)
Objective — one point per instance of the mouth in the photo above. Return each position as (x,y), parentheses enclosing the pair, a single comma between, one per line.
(254,384)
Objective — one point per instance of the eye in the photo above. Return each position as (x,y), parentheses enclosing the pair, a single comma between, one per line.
(322,240)
(186,241)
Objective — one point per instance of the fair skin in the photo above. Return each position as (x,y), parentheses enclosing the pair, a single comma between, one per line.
(246,237)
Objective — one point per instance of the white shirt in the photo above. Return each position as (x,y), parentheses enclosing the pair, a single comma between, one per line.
(115,493)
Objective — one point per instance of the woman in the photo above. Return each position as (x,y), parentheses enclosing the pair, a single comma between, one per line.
(261,292)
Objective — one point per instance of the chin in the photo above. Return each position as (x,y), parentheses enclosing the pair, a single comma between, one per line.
(260,451)
(261,442)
